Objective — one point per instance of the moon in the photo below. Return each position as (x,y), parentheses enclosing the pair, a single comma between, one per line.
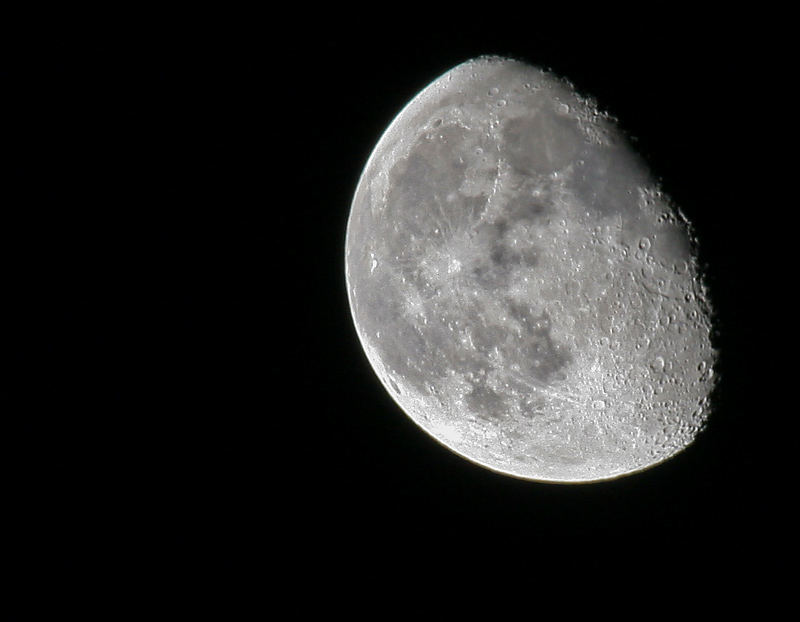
(521,285)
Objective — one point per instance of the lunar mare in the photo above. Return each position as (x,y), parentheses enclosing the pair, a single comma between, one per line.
(520,284)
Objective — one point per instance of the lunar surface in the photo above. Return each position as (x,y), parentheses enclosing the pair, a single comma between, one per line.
(520,284)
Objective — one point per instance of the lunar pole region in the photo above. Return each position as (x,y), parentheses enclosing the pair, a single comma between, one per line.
(521,285)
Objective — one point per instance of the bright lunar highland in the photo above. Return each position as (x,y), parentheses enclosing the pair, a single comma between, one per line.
(521,285)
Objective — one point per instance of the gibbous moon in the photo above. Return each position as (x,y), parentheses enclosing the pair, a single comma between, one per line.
(521,285)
